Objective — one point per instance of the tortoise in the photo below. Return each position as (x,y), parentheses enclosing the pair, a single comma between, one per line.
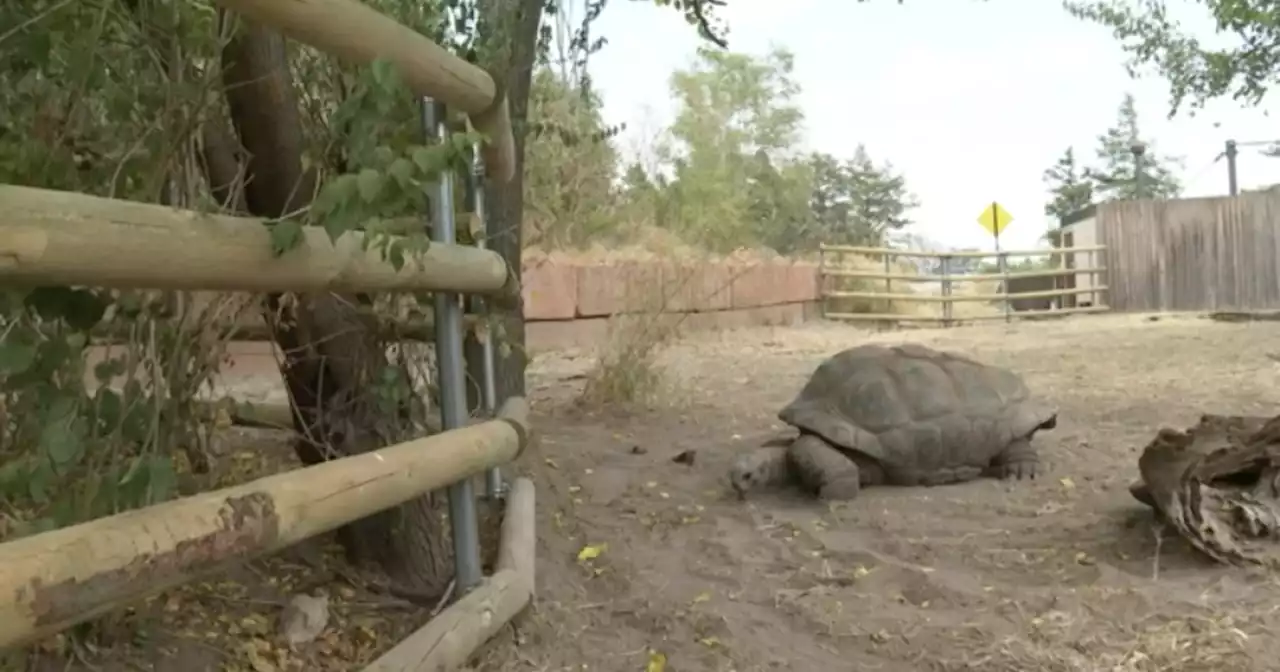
(900,415)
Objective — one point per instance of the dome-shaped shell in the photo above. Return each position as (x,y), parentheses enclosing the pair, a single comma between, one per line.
(916,410)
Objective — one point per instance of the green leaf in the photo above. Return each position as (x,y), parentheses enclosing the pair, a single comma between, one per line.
(13,478)
(110,409)
(129,304)
(62,443)
(402,171)
(395,255)
(384,74)
(16,357)
(27,528)
(383,156)
(370,183)
(38,482)
(161,477)
(285,236)
(429,161)
(335,225)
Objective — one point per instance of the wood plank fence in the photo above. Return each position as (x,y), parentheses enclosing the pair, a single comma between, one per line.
(872,284)
(1194,254)
(53,580)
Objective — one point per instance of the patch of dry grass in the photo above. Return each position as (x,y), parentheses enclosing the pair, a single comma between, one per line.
(626,369)
(1089,641)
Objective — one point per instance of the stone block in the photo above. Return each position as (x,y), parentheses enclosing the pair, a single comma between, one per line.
(565,334)
(612,289)
(759,285)
(697,287)
(550,291)
(802,283)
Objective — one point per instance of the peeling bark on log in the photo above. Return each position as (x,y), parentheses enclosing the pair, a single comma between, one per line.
(51,581)
(1218,485)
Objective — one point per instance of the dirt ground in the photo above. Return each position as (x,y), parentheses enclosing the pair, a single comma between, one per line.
(1064,573)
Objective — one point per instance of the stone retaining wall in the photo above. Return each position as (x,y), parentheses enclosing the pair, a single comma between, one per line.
(568,304)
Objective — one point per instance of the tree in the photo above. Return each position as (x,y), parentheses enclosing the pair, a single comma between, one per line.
(570,163)
(881,200)
(1196,73)
(1070,188)
(1125,174)
(736,117)
(855,202)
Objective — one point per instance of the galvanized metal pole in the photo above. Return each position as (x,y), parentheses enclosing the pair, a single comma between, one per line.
(1233,184)
(494,487)
(453,394)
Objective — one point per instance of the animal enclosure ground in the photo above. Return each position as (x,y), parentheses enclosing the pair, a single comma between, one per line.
(1062,574)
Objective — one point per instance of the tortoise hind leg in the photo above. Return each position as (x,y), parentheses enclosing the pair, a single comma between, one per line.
(823,469)
(1019,460)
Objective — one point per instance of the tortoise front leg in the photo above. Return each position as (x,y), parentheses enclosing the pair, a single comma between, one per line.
(1020,460)
(823,469)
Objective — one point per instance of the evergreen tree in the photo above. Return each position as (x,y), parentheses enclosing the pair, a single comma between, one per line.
(1125,176)
(856,202)
(1070,188)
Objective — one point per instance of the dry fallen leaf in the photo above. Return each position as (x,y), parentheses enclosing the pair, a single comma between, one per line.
(592,551)
(657,662)
(1067,483)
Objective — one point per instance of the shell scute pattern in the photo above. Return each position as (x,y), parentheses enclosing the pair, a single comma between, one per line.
(927,417)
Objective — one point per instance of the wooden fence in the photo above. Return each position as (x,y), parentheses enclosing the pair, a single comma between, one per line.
(1195,254)
(862,288)
(57,579)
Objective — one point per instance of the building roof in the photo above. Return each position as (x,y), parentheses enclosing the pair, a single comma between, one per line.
(1079,215)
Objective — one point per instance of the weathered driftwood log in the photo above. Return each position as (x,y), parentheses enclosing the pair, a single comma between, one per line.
(51,581)
(1218,485)
(449,639)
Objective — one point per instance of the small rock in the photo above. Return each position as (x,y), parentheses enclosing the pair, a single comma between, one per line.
(304,618)
(639,450)
(687,457)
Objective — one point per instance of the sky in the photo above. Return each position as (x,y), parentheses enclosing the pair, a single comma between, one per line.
(970,100)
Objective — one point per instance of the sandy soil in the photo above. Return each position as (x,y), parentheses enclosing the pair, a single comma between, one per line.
(1064,573)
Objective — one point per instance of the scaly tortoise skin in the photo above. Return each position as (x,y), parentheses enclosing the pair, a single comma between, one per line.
(900,415)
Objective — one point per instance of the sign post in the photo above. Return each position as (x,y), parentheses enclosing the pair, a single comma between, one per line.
(995,219)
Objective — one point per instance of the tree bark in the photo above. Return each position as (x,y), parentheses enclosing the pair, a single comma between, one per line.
(512,30)
(332,353)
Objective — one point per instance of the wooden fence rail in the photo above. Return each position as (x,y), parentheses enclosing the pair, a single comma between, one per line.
(853,291)
(51,581)
(56,579)
(56,237)
(357,33)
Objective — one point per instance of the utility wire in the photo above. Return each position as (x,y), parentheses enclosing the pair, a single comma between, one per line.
(1204,171)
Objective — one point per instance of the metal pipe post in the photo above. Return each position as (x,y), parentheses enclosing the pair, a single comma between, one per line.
(494,487)
(453,399)
(1233,185)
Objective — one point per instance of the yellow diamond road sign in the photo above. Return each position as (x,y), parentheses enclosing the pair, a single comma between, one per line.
(995,218)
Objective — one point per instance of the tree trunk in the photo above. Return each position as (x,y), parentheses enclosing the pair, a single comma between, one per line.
(512,30)
(332,354)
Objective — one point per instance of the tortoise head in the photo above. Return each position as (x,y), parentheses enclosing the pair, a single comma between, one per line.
(744,476)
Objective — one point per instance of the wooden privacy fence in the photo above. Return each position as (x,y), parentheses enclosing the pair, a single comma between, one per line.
(1194,254)
(869,284)
(53,580)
